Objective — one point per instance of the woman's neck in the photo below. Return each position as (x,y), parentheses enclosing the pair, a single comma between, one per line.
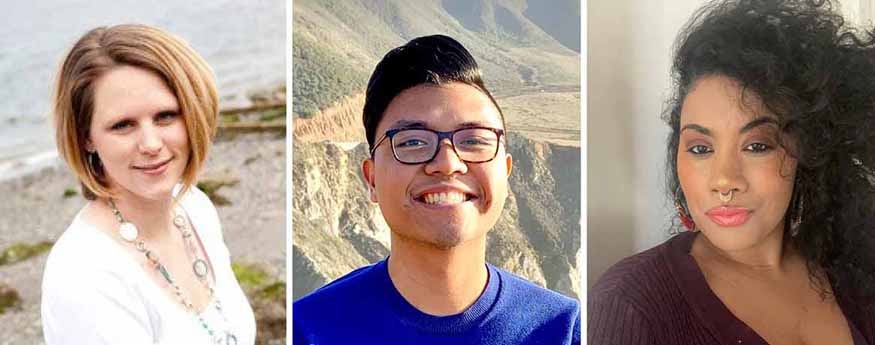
(771,256)
(152,217)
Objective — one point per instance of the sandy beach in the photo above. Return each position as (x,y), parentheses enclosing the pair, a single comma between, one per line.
(39,206)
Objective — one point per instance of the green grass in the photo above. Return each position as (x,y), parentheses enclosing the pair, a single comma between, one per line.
(250,276)
(273,114)
(230,118)
(210,187)
(69,193)
(9,299)
(275,291)
(267,297)
(19,252)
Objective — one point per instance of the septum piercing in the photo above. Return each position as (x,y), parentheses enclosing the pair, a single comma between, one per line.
(725,198)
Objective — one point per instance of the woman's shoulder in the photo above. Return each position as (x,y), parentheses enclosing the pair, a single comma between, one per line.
(195,198)
(82,243)
(83,255)
(87,282)
(636,278)
(202,213)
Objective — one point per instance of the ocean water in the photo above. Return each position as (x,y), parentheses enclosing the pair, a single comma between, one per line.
(243,41)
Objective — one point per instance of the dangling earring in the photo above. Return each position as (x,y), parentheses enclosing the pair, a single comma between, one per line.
(796,222)
(686,220)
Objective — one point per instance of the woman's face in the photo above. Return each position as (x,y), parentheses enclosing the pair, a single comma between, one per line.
(475,192)
(732,148)
(138,133)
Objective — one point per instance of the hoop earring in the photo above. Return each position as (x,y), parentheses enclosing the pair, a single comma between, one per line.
(684,216)
(796,221)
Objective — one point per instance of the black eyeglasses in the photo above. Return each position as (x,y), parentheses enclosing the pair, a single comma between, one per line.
(421,145)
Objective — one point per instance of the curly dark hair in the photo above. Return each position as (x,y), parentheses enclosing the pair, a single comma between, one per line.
(817,75)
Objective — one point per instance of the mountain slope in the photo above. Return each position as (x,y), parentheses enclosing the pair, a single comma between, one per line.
(337,43)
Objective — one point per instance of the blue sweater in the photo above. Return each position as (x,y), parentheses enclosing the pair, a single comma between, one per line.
(363,307)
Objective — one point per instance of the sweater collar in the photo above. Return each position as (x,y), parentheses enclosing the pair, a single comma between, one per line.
(408,314)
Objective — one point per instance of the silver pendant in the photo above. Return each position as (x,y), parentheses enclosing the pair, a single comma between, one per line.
(128,231)
(179,221)
(200,268)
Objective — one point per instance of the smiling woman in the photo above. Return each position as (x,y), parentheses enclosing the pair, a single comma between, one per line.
(770,158)
(144,261)
(135,112)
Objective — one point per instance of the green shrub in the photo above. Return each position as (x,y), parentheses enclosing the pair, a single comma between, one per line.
(19,252)
(70,192)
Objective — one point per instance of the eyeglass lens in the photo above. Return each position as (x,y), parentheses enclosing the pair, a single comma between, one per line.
(471,144)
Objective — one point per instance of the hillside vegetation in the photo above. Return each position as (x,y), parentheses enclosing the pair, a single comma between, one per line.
(337,43)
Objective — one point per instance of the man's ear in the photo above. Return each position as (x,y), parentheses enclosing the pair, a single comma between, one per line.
(368,175)
(508,159)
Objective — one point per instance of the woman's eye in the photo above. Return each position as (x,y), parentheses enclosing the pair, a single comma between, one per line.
(699,150)
(758,147)
(166,117)
(121,125)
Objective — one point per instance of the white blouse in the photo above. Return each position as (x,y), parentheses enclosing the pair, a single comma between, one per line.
(94,292)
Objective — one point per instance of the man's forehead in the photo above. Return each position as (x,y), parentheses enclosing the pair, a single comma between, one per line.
(405,123)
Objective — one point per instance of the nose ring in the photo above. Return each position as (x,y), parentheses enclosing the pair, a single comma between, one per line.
(725,198)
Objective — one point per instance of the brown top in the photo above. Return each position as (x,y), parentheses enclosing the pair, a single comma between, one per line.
(660,296)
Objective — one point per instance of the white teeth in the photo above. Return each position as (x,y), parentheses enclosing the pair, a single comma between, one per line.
(448,198)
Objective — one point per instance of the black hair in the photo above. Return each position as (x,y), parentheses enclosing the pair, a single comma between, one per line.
(817,75)
(435,60)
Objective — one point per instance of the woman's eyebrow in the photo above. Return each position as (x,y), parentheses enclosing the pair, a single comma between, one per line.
(166,112)
(696,128)
(760,121)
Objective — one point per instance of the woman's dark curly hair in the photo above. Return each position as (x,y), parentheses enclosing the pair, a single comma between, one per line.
(817,75)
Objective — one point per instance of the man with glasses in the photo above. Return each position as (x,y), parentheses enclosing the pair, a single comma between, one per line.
(438,169)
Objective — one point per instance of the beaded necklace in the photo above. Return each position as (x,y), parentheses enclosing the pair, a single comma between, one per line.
(129,233)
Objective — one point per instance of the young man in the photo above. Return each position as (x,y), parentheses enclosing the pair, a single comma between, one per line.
(438,170)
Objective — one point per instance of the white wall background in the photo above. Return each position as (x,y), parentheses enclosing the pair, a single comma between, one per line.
(628,61)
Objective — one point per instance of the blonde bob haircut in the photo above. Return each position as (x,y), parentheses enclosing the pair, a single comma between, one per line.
(105,48)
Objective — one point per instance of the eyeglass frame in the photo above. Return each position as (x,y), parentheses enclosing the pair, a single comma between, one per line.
(441,136)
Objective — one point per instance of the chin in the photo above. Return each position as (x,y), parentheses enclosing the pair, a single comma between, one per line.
(446,242)
(440,236)
(454,237)
(151,191)
(155,194)
(734,239)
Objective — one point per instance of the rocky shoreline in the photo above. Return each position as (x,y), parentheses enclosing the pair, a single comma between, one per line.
(39,206)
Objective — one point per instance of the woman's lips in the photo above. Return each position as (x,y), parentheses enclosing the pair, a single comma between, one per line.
(728,216)
(154,169)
